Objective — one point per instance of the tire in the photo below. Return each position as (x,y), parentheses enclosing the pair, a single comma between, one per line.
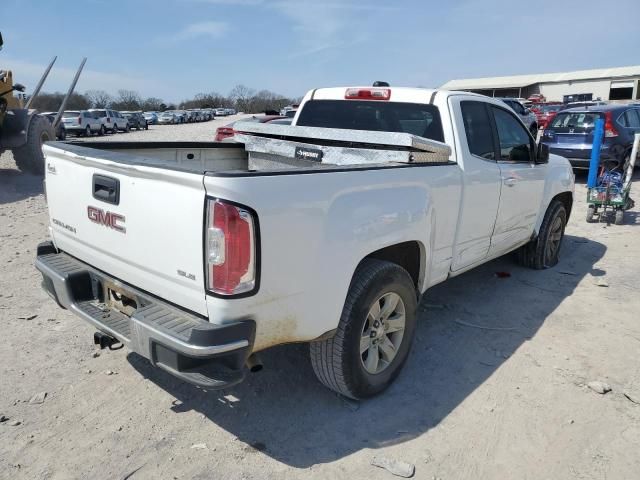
(102,131)
(339,362)
(591,211)
(87,131)
(114,130)
(619,220)
(146,126)
(543,251)
(29,157)
(127,129)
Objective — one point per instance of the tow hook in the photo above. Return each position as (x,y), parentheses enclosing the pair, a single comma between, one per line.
(106,341)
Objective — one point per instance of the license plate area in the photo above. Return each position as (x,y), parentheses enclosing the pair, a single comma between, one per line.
(119,299)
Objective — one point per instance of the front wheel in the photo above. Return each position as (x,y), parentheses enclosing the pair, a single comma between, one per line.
(374,335)
(544,250)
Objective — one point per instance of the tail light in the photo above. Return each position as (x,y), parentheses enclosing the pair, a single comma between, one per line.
(609,129)
(230,249)
(224,132)
(367,94)
(80,120)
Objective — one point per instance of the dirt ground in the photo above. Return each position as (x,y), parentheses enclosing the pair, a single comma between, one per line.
(509,400)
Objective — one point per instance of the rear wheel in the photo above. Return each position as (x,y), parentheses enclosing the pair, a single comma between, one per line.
(591,211)
(374,335)
(543,251)
(29,157)
(114,130)
(87,131)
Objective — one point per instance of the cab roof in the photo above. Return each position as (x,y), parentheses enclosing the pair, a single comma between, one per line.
(398,94)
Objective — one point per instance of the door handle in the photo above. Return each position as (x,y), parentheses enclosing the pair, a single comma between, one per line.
(510,181)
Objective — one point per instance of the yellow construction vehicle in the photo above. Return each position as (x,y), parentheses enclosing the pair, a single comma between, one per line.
(23,130)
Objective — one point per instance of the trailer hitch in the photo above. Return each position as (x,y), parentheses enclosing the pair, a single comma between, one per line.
(106,341)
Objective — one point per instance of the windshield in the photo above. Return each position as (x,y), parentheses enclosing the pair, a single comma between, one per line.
(575,120)
(418,119)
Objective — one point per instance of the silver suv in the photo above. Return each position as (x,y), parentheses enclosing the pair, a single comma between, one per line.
(112,120)
(81,122)
(527,116)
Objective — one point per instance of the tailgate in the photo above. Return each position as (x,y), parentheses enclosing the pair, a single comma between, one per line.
(140,224)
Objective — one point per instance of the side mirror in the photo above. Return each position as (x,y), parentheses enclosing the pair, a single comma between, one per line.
(542,155)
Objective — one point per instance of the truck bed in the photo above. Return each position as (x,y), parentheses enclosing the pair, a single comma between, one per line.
(268,148)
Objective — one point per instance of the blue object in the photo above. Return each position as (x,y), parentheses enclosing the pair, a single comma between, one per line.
(595,153)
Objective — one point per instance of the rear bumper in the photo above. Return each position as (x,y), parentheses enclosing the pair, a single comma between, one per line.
(179,342)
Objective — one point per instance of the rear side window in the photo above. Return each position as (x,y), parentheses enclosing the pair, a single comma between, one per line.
(477,127)
(100,113)
(576,121)
(380,116)
(630,118)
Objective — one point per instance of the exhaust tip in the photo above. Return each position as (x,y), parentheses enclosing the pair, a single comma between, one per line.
(254,364)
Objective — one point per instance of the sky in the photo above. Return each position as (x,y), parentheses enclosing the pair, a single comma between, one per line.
(173,49)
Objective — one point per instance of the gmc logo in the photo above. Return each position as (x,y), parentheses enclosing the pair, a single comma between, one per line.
(108,219)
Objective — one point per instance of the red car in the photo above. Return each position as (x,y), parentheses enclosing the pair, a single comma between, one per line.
(226,133)
(545,113)
(537,98)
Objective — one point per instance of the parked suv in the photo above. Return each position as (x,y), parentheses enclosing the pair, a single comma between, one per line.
(81,122)
(526,115)
(109,119)
(136,120)
(570,133)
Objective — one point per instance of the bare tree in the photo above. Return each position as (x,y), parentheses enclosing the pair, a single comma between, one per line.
(241,95)
(99,98)
(152,104)
(50,102)
(127,100)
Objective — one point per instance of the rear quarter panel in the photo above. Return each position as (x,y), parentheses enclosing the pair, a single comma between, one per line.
(316,228)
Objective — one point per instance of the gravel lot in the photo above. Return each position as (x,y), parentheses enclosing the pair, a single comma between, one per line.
(495,388)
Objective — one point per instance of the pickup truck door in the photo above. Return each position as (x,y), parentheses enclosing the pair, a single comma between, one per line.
(476,153)
(523,182)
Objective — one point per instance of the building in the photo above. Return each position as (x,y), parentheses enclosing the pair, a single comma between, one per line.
(619,83)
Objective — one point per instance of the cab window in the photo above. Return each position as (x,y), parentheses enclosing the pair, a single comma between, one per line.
(514,140)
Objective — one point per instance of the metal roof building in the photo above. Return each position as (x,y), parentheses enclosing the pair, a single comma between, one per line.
(620,83)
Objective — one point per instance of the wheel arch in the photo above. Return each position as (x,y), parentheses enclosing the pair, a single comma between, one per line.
(567,200)
(409,255)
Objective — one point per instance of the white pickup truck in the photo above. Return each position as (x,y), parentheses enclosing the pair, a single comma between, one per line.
(199,255)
